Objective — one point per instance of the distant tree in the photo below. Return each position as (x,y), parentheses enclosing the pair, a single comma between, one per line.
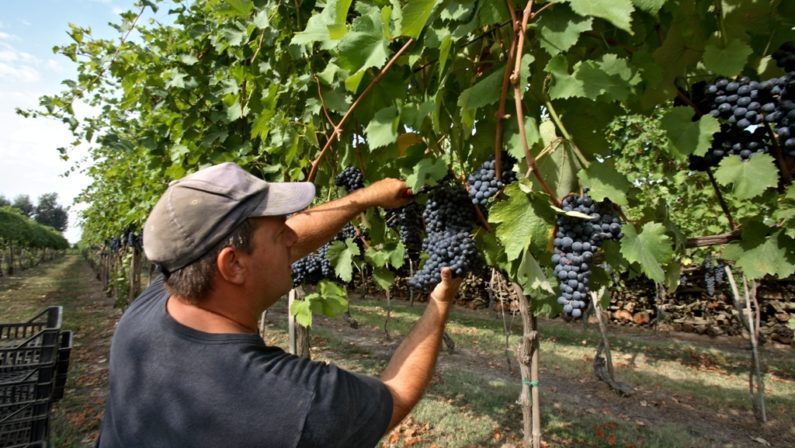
(4,201)
(23,203)
(50,213)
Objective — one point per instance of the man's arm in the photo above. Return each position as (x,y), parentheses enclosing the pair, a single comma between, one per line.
(317,225)
(411,367)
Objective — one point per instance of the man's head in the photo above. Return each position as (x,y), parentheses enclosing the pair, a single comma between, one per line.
(206,211)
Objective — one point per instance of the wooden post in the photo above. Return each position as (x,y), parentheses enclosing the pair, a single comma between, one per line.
(750,321)
(298,335)
(599,363)
(527,354)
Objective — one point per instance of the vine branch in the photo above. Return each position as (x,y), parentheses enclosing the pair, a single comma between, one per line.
(337,131)
(721,200)
(519,37)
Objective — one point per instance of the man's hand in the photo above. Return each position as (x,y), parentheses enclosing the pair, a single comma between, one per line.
(446,290)
(385,193)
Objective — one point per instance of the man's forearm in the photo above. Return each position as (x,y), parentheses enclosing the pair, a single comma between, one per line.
(317,225)
(412,365)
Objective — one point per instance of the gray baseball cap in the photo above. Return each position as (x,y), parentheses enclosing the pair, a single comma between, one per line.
(201,209)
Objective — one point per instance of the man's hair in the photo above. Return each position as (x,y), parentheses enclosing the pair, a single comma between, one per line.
(194,282)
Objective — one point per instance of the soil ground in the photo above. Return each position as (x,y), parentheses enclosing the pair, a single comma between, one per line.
(570,396)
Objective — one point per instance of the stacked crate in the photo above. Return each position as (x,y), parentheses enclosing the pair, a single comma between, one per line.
(34,360)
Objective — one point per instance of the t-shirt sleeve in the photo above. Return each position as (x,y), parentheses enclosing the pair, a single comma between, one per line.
(348,410)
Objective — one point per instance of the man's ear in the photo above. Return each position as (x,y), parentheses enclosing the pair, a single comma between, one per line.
(230,266)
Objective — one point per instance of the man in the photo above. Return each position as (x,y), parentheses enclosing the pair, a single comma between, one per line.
(187,366)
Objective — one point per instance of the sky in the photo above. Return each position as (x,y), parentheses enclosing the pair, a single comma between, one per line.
(29,161)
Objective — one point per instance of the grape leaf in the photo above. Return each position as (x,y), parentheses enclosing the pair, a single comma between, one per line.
(364,46)
(520,221)
(729,60)
(415,14)
(515,147)
(566,85)
(617,12)
(560,29)
(383,128)
(330,299)
(650,249)
(532,277)
(341,254)
(773,255)
(651,6)
(383,278)
(302,312)
(611,77)
(317,27)
(426,169)
(749,178)
(685,136)
(486,91)
(605,182)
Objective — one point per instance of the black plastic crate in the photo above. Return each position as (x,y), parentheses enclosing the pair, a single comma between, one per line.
(24,413)
(28,361)
(62,365)
(30,346)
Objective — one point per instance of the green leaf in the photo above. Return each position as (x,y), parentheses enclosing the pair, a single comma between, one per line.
(729,60)
(617,12)
(650,6)
(566,85)
(515,147)
(383,278)
(382,130)
(772,255)
(341,254)
(317,27)
(376,258)
(521,222)
(560,168)
(334,299)
(302,312)
(605,182)
(486,91)
(686,136)
(611,77)
(397,255)
(426,170)
(364,45)
(415,14)
(749,178)
(532,277)
(560,29)
(650,249)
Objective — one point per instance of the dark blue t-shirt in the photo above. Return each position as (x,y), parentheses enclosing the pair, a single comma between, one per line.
(172,386)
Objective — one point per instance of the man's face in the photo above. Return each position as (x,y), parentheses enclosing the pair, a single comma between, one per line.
(270,268)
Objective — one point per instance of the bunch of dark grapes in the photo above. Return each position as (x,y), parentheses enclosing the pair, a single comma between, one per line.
(576,240)
(732,141)
(785,56)
(449,219)
(316,266)
(311,269)
(351,178)
(448,207)
(483,183)
(408,221)
(744,103)
(713,274)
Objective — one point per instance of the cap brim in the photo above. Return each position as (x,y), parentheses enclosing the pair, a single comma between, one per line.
(283,198)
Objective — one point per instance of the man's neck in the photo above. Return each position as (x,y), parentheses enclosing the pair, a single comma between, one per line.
(206,318)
